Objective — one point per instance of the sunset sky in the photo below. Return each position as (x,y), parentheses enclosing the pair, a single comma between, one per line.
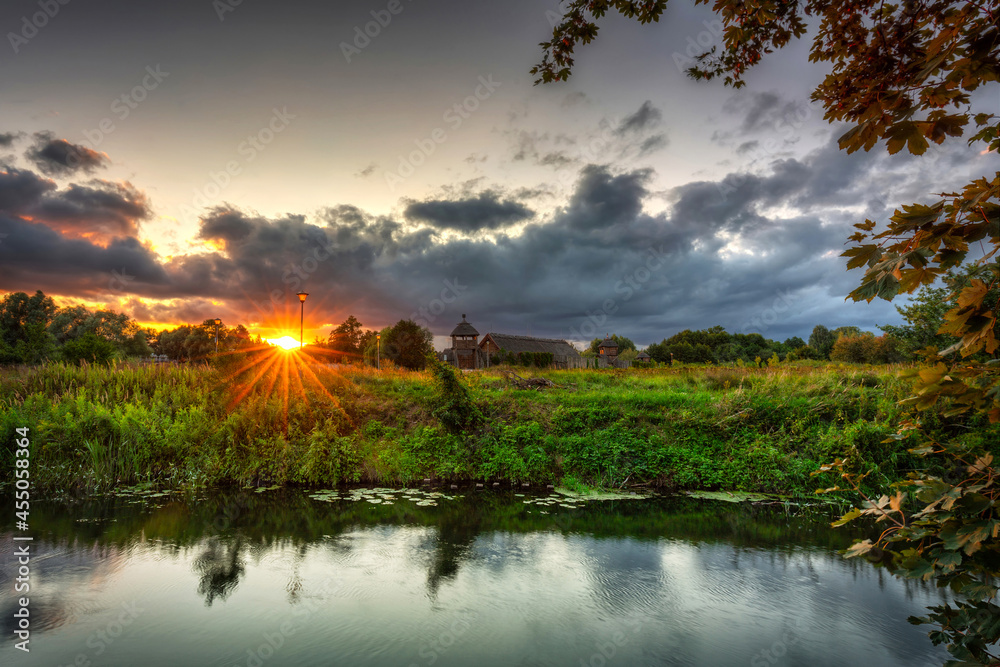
(192,159)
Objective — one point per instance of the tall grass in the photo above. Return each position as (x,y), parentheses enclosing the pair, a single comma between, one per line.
(263,419)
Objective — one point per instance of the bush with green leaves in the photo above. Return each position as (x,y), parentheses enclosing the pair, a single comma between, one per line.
(88,348)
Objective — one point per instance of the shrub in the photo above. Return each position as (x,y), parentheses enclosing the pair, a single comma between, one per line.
(454,407)
(89,348)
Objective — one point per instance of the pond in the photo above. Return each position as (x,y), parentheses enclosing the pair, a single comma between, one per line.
(380,577)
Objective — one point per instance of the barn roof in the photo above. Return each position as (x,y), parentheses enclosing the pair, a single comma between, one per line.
(608,342)
(517,344)
(464,329)
(643,356)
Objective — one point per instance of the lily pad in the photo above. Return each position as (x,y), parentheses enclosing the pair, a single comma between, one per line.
(599,495)
(733,496)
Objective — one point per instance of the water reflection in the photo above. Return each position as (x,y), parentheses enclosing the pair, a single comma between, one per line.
(478,580)
(220,567)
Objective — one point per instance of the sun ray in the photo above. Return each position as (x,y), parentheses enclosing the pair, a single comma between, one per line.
(323,389)
(248,387)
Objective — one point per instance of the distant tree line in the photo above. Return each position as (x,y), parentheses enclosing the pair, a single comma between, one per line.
(405,344)
(34,330)
(191,342)
(924,327)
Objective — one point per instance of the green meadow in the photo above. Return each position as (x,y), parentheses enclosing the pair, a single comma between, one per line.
(273,420)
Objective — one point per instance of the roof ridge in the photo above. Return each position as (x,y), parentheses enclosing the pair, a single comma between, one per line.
(555,340)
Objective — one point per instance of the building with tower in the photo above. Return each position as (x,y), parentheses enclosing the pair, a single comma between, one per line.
(467,352)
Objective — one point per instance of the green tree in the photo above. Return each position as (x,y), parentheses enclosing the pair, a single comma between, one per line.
(794,343)
(190,342)
(349,339)
(128,338)
(171,342)
(622,342)
(23,328)
(89,348)
(851,331)
(821,340)
(902,74)
(407,344)
(35,346)
(627,356)
(804,352)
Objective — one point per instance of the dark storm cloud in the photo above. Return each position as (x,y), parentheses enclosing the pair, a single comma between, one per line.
(35,256)
(604,200)
(7,139)
(485,211)
(762,110)
(20,189)
(78,241)
(58,157)
(647,117)
(225,225)
(102,209)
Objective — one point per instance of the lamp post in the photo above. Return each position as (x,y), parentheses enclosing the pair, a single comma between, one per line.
(378,352)
(217,323)
(302,314)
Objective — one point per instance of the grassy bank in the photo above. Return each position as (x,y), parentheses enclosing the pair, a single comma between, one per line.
(269,420)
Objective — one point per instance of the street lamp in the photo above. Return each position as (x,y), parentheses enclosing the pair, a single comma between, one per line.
(378,352)
(217,323)
(302,313)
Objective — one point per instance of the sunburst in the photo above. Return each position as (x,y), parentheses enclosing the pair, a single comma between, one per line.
(285,342)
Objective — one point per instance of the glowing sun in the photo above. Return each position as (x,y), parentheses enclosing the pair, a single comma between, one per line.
(286,342)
